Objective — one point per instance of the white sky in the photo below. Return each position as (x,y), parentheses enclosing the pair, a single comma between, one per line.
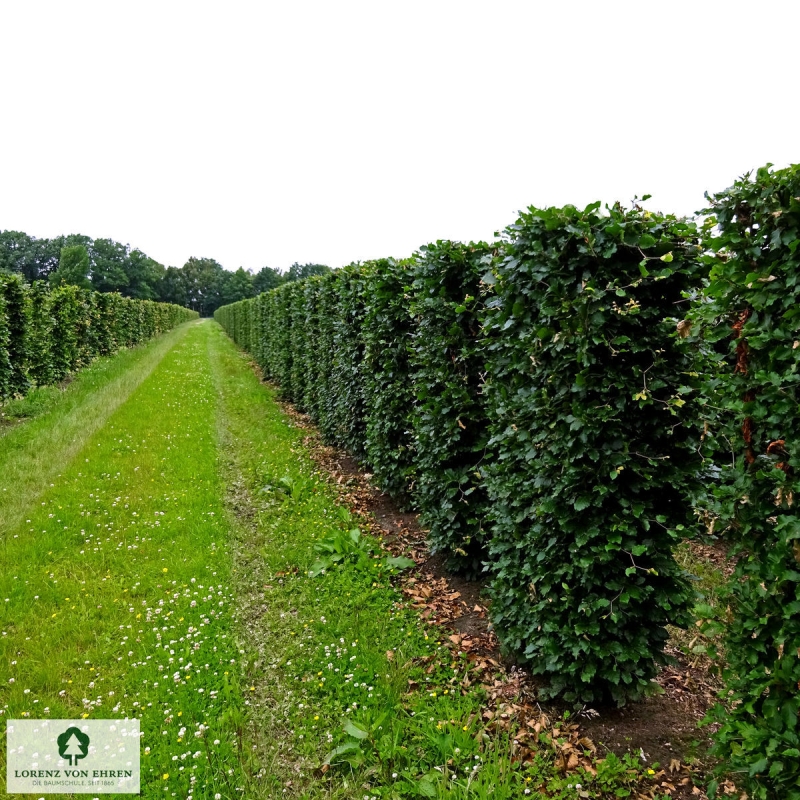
(262,133)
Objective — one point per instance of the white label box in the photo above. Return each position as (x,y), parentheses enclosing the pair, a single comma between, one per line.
(72,756)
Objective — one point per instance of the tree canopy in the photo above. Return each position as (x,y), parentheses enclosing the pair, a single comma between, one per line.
(105,265)
(73,267)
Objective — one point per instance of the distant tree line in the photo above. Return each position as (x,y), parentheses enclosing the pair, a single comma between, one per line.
(104,265)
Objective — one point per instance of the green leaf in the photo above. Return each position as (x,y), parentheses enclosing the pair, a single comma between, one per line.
(349,749)
(758,766)
(319,566)
(355,731)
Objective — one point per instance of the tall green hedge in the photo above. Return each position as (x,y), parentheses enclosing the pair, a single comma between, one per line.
(450,422)
(271,322)
(347,385)
(282,345)
(308,356)
(47,333)
(752,312)
(531,398)
(387,331)
(40,335)
(14,379)
(299,343)
(323,353)
(591,410)
(541,400)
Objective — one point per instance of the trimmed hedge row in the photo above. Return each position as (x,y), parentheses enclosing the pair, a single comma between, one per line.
(389,444)
(13,335)
(450,416)
(591,411)
(470,388)
(752,316)
(45,333)
(551,405)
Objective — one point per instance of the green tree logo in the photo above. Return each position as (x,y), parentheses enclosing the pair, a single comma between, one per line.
(73,744)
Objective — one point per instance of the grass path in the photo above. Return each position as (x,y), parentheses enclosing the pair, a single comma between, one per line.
(114,587)
(34,453)
(154,562)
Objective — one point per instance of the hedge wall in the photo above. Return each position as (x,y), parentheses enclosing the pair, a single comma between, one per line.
(753,313)
(323,349)
(591,410)
(45,334)
(553,418)
(389,396)
(282,346)
(312,388)
(14,378)
(450,420)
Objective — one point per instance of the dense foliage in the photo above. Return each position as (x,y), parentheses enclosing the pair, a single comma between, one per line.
(752,314)
(14,378)
(450,422)
(389,445)
(590,411)
(73,267)
(348,376)
(111,267)
(47,333)
(323,344)
(537,387)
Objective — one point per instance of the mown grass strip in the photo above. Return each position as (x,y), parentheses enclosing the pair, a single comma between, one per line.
(43,432)
(355,696)
(114,589)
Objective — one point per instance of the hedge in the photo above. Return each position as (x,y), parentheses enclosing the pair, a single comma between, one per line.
(591,408)
(347,384)
(450,420)
(14,378)
(389,396)
(752,313)
(48,333)
(282,345)
(312,387)
(609,406)
(578,460)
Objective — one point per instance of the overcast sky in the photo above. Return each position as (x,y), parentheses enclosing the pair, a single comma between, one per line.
(263,133)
